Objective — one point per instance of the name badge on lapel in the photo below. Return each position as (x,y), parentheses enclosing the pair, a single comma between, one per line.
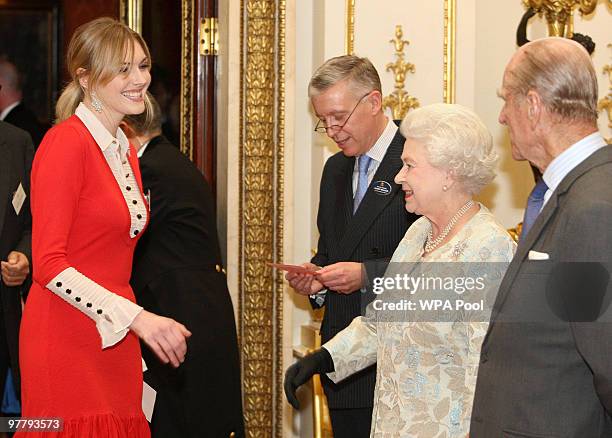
(18,199)
(382,188)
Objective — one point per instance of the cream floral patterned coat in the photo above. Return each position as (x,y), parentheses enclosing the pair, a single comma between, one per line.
(426,371)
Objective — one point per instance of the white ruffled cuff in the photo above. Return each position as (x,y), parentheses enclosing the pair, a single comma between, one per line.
(112,313)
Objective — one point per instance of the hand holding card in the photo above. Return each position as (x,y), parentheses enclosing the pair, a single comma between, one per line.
(294,269)
(302,278)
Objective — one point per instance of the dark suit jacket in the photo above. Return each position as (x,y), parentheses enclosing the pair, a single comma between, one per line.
(177,273)
(16,153)
(24,118)
(543,375)
(372,233)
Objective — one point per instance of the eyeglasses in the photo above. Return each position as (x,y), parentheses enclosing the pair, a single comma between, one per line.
(337,128)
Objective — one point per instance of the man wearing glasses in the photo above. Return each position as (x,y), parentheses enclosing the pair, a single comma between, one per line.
(361,217)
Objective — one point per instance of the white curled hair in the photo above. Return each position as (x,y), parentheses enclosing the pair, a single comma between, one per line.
(455,140)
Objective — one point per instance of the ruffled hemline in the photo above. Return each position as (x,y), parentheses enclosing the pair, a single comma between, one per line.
(97,426)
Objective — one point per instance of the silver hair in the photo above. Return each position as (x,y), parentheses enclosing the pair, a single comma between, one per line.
(360,73)
(562,73)
(455,139)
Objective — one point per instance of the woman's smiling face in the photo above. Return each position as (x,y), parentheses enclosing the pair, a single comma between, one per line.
(125,93)
(421,182)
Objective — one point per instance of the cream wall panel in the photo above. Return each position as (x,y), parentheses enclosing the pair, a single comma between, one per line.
(303,170)
(423,26)
(465,59)
(494,45)
(598,26)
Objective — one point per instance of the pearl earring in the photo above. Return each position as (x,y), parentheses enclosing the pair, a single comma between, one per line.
(95,102)
(444,188)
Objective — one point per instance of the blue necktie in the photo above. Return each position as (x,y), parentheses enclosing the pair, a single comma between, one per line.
(534,205)
(362,182)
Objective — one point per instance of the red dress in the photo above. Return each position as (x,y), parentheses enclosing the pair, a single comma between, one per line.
(80,220)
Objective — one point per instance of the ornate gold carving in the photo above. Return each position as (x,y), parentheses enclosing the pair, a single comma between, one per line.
(349,42)
(186,133)
(515,232)
(262,93)
(450,24)
(559,13)
(606,102)
(399,101)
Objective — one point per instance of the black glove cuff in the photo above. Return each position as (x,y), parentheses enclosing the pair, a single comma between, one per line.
(325,360)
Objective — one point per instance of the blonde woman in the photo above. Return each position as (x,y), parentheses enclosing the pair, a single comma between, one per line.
(79,348)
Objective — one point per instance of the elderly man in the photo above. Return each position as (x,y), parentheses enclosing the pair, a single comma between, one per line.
(361,216)
(16,152)
(546,361)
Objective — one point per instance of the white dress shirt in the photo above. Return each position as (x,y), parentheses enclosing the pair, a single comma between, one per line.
(376,153)
(567,160)
(5,112)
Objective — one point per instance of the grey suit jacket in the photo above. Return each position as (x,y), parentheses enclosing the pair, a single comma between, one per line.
(16,151)
(541,373)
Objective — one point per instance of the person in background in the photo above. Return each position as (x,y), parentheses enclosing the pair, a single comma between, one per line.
(16,153)
(546,361)
(361,216)
(79,352)
(12,108)
(177,273)
(426,365)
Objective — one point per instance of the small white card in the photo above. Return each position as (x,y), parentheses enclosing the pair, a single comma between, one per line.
(535,255)
(18,199)
(148,400)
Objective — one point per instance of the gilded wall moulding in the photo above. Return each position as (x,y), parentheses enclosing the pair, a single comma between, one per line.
(349,40)
(605,104)
(130,13)
(450,25)
(187,67)
(261,164)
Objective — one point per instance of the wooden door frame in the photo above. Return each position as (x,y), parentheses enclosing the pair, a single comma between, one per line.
(198,134)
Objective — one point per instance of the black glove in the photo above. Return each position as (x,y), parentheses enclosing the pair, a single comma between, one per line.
(300,372)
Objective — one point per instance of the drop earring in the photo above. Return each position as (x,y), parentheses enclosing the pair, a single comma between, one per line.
(444,188)
(95,102)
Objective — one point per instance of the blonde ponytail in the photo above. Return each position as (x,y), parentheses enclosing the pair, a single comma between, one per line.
(68,102)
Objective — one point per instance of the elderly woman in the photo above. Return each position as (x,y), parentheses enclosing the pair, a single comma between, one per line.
(426,371)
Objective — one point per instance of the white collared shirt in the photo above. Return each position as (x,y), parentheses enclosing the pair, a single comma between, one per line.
(569,159)
(142,149)
(116,151)
(376,153)
(8,109)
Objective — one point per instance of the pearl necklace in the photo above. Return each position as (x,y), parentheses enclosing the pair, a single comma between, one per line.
(431,243)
